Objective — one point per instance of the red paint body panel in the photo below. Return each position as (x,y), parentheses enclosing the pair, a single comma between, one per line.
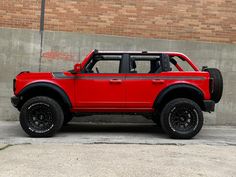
(123,92)
(25,79)
(142,92)
(100,91)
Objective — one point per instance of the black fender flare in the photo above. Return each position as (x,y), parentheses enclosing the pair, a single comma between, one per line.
(51,86)
(161,96)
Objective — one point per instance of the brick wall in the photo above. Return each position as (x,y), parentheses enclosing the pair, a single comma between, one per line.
(20,13)
(204,20)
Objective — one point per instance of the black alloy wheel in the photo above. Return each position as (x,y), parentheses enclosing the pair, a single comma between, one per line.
(182,118)
(41,117)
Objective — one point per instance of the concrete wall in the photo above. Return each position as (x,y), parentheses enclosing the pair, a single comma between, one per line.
(20,50)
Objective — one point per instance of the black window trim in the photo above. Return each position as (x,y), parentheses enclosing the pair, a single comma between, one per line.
(122,67)
(124,61)
(141,54)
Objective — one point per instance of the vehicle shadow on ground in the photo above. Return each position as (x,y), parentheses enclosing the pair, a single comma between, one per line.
(14,130)
(112,128)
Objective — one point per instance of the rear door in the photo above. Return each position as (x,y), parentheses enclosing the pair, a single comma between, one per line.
(143,82)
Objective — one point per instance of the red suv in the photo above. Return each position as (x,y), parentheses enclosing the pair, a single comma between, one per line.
(164,86)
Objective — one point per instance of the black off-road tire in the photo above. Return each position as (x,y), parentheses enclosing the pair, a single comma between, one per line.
(216,87)
(181,112)
(41,117)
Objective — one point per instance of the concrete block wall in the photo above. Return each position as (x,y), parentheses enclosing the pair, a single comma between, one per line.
(20,50)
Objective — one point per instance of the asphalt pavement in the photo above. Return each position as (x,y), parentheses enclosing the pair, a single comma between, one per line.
(100,133)
(117,150)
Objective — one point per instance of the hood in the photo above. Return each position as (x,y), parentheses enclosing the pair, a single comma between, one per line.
(34,75)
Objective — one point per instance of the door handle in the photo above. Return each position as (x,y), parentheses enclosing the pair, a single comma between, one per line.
(158,81)
(116,81)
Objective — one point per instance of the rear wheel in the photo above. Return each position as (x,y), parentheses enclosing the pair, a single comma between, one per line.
(41,117)
(181,118)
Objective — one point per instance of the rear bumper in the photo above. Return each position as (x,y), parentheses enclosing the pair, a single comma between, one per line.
(209,105)
(15,101)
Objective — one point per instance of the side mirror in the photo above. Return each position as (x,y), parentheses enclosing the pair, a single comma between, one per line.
(77,67)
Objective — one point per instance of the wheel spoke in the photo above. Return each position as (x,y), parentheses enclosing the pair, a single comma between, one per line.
(183,118)
(40,117)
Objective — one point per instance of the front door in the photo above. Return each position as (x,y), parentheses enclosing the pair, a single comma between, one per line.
(100,87)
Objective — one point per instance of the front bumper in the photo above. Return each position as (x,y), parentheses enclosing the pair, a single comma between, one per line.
(209,105)
(15,101)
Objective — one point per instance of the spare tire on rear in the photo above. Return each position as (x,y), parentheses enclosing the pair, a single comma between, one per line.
(216,84)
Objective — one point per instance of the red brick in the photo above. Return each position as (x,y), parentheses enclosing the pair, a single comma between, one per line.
(208,20)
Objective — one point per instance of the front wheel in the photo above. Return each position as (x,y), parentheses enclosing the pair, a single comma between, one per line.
(41,117)
(182,118)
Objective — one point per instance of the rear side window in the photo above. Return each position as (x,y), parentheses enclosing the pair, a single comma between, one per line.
(145,64)
(183,64)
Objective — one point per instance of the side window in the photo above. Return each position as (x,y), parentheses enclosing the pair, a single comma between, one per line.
(107,66)
(104,64)
(183,64)
(142,66)
(145,64)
